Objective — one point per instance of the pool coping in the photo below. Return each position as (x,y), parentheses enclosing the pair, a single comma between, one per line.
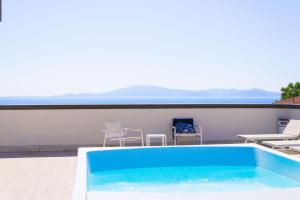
(80,189)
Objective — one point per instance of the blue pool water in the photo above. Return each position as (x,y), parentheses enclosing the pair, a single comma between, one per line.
(190,169)
(189,179)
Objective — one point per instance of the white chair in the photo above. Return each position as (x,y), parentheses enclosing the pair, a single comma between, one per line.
(115,132)
(197,133)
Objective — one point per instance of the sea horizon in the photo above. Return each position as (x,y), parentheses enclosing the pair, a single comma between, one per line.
(132,100)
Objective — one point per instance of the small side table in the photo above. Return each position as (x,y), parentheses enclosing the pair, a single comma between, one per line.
(162,136)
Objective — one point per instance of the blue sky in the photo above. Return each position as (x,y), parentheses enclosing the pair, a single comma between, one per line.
(71,46)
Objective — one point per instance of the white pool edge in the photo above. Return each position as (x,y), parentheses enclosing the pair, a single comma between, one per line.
(80,189)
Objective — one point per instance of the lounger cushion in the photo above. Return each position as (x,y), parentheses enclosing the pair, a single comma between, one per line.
(184,128)
(295,149)
(267,136)
(282,143)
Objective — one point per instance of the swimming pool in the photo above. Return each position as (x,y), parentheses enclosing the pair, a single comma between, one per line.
(184,171)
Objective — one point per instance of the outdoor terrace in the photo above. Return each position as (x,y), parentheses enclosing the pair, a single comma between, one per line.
(38,143)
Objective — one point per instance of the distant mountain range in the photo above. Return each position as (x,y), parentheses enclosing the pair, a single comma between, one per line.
(155,91)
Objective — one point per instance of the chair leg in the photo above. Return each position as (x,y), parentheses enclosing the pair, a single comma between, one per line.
(175,140)
(201,142)
(104,142)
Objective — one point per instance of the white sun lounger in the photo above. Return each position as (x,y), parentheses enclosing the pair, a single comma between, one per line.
(295,149)
(282,143)
(291,132)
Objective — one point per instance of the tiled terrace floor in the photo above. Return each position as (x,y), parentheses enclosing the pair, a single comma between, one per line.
(37,176)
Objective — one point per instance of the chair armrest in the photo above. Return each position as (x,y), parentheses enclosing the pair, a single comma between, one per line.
(110,133)
(136,130)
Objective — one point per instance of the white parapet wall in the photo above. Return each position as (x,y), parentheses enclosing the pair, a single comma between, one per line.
(294,113)
(83,127)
